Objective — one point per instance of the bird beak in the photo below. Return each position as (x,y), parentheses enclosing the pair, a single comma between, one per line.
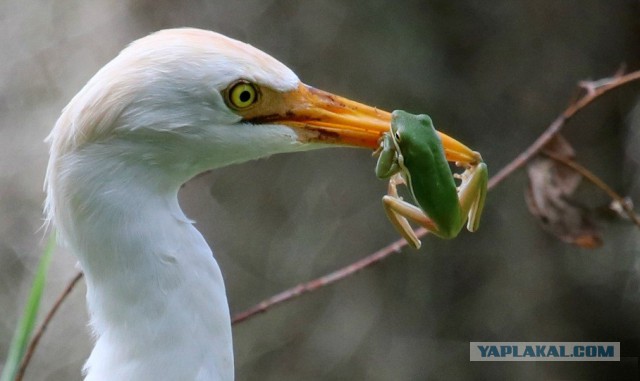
(319,116)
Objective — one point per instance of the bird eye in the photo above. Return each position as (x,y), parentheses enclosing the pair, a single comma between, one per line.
(241,95)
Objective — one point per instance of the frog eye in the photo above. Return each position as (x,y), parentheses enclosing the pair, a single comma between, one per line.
(397,136)
(241,94)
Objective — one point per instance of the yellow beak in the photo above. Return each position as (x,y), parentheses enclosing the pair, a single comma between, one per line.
(322,116)
(334,119)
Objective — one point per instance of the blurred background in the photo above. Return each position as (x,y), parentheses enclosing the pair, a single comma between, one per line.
(492,74)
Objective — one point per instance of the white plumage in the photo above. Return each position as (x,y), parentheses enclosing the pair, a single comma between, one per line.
(143,125)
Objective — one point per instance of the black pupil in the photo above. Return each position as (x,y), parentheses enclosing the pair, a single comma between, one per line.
(245,96)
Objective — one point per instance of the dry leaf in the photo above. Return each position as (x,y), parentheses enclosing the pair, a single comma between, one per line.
(548,197)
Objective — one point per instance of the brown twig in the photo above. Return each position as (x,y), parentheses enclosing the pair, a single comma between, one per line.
(555,127)
(584,172)
(560,121)
(43,327)
(321,282)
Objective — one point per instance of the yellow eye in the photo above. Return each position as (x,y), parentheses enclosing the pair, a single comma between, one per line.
(241,95)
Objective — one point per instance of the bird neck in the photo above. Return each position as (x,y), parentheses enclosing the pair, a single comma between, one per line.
(155,293)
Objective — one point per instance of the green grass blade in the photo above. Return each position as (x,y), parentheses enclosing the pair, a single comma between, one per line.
(25,326)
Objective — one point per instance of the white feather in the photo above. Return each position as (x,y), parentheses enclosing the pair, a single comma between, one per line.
(143,125)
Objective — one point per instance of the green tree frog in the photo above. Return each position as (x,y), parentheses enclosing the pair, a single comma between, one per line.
(412,154)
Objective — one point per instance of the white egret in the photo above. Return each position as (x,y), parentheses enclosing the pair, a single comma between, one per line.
(169,106)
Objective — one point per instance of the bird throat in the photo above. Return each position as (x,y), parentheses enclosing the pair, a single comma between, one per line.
(154,290)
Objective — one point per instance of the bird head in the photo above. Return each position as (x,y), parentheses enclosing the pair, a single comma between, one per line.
(218,99)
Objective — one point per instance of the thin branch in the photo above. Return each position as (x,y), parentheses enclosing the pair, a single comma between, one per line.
(555,127)
(43,327)
(330,278)
(584,172)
